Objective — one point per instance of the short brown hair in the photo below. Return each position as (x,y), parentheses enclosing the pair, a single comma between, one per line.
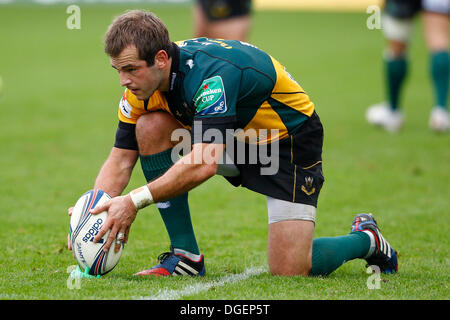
(140,28)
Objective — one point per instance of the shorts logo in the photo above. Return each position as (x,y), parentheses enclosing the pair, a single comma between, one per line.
(309,189)
(210,97)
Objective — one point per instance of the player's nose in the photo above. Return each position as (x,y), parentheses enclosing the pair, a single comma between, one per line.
(124,79)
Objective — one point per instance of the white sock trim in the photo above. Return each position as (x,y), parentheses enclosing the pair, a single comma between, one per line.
(187,254)
(373,245)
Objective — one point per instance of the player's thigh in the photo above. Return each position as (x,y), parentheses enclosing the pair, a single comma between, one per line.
(200,22)
(436,30)
(398,24)
(289,247)
(234,28)
(228,19)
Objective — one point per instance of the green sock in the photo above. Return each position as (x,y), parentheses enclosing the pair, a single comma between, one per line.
(440,70)
(330,253)
(174,212)
(396,70)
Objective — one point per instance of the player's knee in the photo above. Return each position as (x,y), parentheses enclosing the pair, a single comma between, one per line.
(289,247)
(290,269)
(153,132)
(395,50)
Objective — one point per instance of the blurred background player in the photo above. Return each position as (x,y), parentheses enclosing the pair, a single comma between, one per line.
(397,27)
(222,19)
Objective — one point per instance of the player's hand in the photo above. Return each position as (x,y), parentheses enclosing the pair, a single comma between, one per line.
(69,245)
(121,214)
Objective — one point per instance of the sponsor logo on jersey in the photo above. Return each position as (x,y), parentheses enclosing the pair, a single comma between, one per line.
(210,97)
(125,107)
(190,63)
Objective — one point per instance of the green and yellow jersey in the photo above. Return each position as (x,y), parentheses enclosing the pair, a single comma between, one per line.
(227,84)
(131,108)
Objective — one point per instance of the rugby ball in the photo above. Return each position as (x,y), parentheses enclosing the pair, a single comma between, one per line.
(84,226)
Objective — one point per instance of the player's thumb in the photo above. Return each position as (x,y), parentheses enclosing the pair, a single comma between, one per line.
(98,209)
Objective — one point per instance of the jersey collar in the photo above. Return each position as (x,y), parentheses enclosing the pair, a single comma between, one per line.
(174,72)
(178,107)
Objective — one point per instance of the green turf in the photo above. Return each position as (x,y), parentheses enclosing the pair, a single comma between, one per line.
(57,124)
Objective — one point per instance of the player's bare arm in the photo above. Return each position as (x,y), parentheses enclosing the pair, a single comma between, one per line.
(116,171)
(189,172)
(114,175)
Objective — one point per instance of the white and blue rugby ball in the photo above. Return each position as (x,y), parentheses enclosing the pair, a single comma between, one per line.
(84,226)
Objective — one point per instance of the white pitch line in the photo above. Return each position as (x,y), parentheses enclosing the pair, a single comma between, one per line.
(200,287)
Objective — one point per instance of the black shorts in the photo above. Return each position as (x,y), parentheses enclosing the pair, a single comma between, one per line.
(406,9)
(299,177)
(224,9)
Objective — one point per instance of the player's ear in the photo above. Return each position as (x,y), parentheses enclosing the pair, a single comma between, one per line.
(161,59)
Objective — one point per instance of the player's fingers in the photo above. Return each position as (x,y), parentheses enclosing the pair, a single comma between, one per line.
(108,224)
(111,238)
(120,241)
(69,245)
(69,211)
(101,208)
(127,232)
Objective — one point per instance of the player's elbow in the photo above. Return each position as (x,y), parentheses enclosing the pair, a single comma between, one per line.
(209,155)
(207,170)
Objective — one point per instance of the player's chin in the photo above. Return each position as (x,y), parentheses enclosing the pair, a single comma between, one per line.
(141,95)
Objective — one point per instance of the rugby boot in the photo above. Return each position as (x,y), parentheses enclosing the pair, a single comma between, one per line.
(439,120)
(176,264)
(382,115)
(381,253)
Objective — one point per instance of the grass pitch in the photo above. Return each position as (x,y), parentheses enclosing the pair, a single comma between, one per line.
(58,118)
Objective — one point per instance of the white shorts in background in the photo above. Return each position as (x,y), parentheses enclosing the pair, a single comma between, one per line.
(439,6)
(397,29)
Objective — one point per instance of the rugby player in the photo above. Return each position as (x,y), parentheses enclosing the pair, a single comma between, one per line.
(220,86)
(398,28)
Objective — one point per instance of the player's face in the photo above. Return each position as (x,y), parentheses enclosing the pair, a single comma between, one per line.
(142,80)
